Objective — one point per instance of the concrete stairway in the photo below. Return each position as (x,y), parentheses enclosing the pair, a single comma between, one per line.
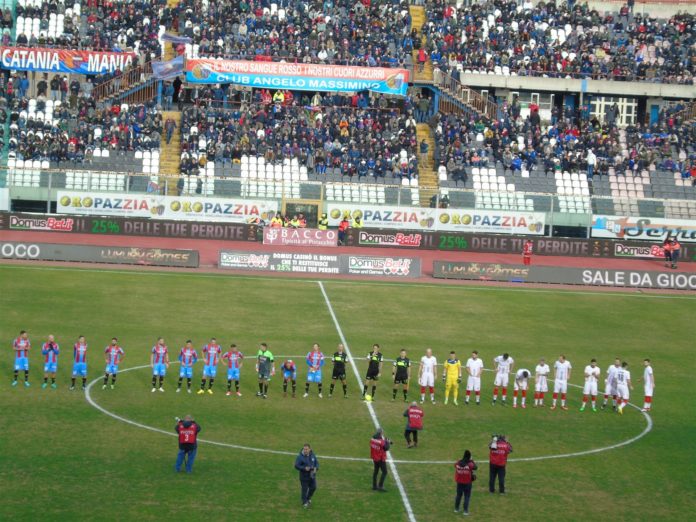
(417,20)
(169,51)
(427,174)
(170,154)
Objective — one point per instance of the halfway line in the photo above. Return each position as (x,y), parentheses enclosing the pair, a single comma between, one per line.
(370,408)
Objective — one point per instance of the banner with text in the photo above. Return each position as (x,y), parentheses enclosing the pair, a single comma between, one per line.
(119,255)
(564,275)
(165,207)
(650,229)
(298,76)
(305,237)
(433,219)
(64,60)
(307,263)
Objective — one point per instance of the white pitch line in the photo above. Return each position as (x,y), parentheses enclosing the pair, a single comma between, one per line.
(93,403)
(370,408)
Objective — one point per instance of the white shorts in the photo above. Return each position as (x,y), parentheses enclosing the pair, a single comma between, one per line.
(473,383)
(590,388)
(622,391)
(501,379)
(609,390)
(521,384)
(427,379)
(541,384)
(649,391)
(560,386)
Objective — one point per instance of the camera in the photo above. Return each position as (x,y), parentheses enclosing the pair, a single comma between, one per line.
(495,438)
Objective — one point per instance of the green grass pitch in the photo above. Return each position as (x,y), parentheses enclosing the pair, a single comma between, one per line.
(62,459)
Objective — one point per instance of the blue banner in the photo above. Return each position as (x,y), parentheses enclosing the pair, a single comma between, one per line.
(168,70)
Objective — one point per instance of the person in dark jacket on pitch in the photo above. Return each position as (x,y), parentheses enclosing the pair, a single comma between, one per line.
(307,464)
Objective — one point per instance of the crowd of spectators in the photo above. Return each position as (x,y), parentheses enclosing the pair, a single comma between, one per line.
(360,135)
(43,129)
(516,144)
(366,32)
(499,36)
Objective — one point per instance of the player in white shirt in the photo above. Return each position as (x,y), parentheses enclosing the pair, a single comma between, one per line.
(521,384)
(560,381)
(474,367)
(592,374)
(541,385)
(610,383)
(503,365)
(648,385)
(623,383)
(426,375)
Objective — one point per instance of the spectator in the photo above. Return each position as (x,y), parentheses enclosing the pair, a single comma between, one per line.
(591,162)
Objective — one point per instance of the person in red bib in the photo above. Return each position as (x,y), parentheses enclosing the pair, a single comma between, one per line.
(500,449)
(188,430)
(464,477)
(527,251)
(414,423)
(379,445)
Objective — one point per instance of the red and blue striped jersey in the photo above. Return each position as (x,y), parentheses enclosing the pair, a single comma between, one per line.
(160,353)
(211,354)
(188,356)
(80,353)
(315,359)
(233,359)
(21,347)
(114,354)
(50,352)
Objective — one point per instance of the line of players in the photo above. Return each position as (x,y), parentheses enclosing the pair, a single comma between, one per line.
(617,382)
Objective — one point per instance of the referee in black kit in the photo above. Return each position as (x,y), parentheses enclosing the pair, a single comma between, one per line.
(339,370)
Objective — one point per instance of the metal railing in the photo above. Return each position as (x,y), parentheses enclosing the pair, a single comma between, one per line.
(127,80)
(468,96)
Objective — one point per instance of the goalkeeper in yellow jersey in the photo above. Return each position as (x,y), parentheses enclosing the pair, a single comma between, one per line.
(452,377)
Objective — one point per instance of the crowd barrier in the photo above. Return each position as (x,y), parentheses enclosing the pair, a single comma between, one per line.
(505,244)
(311,263)
(119,255)
(564,275)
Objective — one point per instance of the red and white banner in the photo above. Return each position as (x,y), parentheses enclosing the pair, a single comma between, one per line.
(300,237)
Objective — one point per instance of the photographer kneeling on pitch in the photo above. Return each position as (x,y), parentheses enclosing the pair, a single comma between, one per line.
(499,451)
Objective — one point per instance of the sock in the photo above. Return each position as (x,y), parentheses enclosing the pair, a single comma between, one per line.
(447,392)
(210,383)
(405,394)
(154,380)
(555,397)
(73,382)
(524,397)
(514,398)
(236,385)
(584,400)
(432,393)
(394,393)
(374,389)
(188,383)
(606,399)
(260,387)
(468,395)
(84,382)
(647,403)
(229,385)
(331,388)
(495,394)
(285,386)
(15,375)
(504,393)
(265,389)
(26,375)
(106,378)
(478,396)
(563,399)
(613,400)
(202,384)
(45,380)
(364,390)
(320,387)
(113,380)
(53,380)
(306,387)
(161,381)
(594,401)
(345,390)
(294,386)
(455,393)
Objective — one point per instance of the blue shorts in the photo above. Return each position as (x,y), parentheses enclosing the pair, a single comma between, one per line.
(159,369)
(233,374)
(314,376)
(289,375)
(111,369)
(79,369)
(21,363)
(210,371)
(186,371)
(51,367)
